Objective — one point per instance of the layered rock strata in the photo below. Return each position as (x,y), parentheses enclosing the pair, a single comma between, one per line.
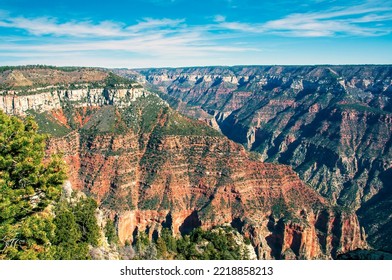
(149,168)
(332,124)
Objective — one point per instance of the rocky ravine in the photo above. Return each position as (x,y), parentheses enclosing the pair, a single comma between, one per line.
(332,124)
(149,168)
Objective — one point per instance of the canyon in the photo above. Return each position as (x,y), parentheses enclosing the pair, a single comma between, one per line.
(331,124)
(150,167)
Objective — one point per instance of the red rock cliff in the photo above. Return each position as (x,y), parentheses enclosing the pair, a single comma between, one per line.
(157,179)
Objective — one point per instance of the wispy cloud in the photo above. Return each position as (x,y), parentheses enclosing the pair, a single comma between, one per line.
(150,23)
(344,21)
(334,22)
(171,40)
(149,37)
(50,26)
(219,18)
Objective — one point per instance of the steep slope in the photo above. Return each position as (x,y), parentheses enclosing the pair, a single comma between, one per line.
(332,124)
(149,168)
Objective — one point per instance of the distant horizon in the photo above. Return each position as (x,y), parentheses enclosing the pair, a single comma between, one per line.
(192,66)
(158,33)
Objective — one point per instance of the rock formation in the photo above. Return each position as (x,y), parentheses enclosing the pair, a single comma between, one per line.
(149,167)
(332,124)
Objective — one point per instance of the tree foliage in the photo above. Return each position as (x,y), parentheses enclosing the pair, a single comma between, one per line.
(27,187)
(144,248)
(34,223)
(110,232)
(217,244)
(76,229)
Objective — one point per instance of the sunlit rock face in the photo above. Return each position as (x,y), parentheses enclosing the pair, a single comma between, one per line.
(331,124)
(150,167)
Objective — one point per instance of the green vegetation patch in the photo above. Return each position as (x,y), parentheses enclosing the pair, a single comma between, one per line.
(361,108)
(34,222)
(103,121)
(76,229)
(220,243)
(40,66)
(27,187)
(49,125)
(150,203)
(112,81)
(180,125)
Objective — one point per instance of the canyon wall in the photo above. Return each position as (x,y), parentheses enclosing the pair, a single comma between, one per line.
(55,99)
(151,168)
(332,124)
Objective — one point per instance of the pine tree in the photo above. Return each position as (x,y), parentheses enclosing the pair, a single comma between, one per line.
(27,187)
(161,248)
(84,212)
(76,229)
(110,232)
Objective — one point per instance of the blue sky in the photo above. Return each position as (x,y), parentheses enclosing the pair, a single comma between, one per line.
(175,33)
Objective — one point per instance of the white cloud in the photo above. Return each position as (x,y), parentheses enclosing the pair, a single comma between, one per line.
(337,21)
(49,26)
(167,40)
(219,18)
(150,23)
